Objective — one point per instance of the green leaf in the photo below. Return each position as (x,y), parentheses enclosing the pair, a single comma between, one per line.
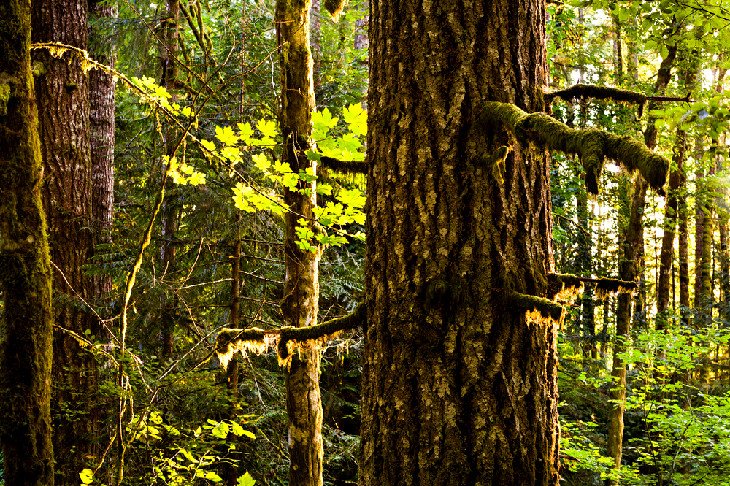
(246,480)
(245,133)
(220,430)
(226,135)
(267,128)
(261,161)
(356,119)
(322,122)
(211,476)
(87,476)
(208,144)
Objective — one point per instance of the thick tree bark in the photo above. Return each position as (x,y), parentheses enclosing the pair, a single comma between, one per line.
(630,268)
(301,283)
(459,387)
(26,344)
(62,92)
(101,118)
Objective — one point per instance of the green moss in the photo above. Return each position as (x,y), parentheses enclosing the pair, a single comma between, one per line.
(591,145)
(4,98)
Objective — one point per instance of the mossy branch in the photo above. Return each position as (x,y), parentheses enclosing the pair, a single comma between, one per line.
(591,145)
(606,93)
(560,282)
(231,340)
(347,166)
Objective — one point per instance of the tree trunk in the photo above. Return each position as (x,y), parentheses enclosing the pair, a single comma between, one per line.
(671,214)
(585,268)
(170,209)
(301,283)
(458,387)
(101,120)
(62,91)
(703,245)
(26,343)
(630,268)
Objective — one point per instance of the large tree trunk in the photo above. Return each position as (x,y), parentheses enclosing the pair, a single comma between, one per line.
(630,268)
(25,279)
(62,91)
(459,388)
(101,119)
(301,283)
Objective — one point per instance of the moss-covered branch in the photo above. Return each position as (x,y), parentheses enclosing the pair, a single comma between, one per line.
(348,166)
(260,340)
(606,93)
(591,145)
(559,283)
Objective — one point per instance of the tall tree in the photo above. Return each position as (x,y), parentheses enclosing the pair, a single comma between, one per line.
(675,202)
(301,283)
(630,268)
(26,278)
(62,91)
(458,387)
(169,47)
(101,122)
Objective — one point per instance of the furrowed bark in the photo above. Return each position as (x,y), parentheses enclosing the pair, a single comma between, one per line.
(26,345)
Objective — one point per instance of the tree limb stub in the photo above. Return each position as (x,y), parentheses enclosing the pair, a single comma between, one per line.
(591,144)
(545,307)
(348,166)
(607,93)
(229,341)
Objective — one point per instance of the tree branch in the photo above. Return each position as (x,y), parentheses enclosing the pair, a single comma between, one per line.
(254,339)
(348,166)
(604,92)
(591,145)
(560,282)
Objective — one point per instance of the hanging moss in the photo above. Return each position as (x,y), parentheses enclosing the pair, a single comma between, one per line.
(591,145)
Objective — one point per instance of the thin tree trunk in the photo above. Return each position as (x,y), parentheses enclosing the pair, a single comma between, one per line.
(62,92)
(170,212)
(630,268)
(301,283)
(25,279)
(671,215)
